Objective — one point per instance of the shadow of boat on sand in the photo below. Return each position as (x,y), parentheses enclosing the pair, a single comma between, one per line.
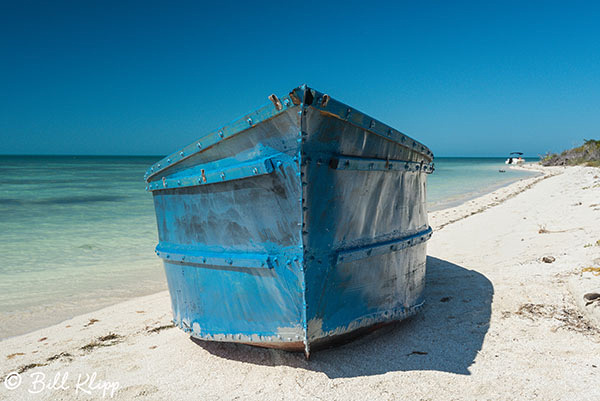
(445,336)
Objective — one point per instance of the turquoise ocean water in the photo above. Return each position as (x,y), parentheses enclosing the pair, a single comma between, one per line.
(457,179)
(78,232)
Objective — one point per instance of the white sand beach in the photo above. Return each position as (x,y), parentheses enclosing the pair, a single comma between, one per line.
(499,323)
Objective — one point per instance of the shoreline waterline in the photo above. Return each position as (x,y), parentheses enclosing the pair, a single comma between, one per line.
(452,203)
(159,274)
(457,180)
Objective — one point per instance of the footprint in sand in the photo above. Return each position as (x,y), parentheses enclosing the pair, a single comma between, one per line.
(140,390)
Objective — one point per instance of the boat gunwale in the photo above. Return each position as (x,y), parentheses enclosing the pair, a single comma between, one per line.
(264,113)
(324,104)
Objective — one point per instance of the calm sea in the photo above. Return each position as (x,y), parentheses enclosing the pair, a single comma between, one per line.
(78,233)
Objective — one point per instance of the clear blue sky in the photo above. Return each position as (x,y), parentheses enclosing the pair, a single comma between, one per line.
(465,78)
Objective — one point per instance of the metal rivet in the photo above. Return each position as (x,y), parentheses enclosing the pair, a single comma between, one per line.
(286,102)
(178,182)
(275,100)
(158,165)
(168,160)
(372,125)
(180,153)
(199,145)
(222,176)
(221,134)
(151,168)
(255,170)
(249,120)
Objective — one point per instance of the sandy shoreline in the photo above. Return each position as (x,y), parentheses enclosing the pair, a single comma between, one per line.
(38,315)
(467,197)
(508,326)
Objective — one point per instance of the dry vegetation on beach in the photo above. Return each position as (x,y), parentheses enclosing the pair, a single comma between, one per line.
(587,154)
(510,314)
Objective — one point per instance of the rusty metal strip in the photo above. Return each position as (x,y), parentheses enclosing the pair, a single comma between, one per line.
(381,248)
(366,164)
(235,172)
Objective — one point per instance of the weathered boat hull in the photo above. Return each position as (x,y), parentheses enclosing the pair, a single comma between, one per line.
(300,223)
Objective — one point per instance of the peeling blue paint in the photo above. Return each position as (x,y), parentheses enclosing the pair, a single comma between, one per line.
(301,221)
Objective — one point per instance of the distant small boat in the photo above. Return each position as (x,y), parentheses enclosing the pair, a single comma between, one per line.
(502,171)
(300,224)
(515,158)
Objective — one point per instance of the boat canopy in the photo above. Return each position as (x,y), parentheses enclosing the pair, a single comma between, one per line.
(516,153)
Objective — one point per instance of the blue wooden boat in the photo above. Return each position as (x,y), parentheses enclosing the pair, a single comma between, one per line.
(300,224)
